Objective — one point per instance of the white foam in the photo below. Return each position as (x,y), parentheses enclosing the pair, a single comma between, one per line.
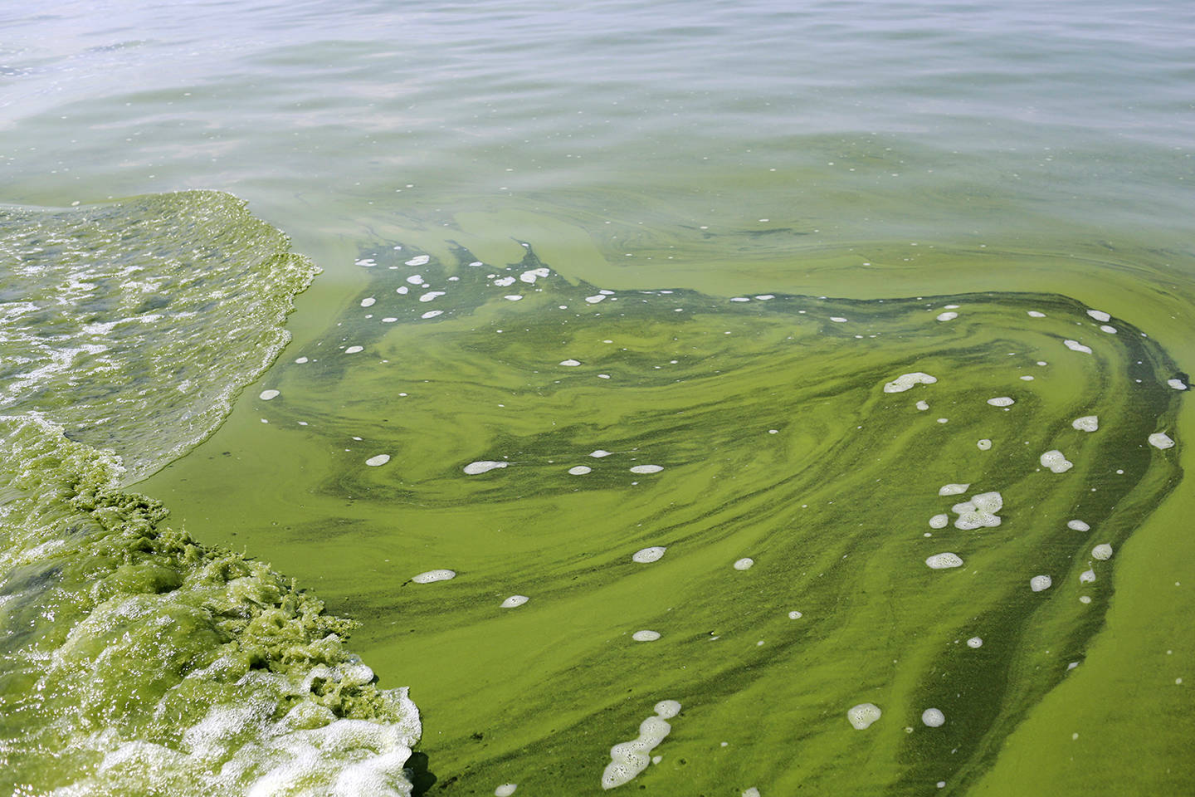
(570,363)
(1108,329)
(415,279)
(1161,440)
(795,615)
(380,459)
(1103,552)
(402,289)
(1087,577)
(647,555)
(979,512)
(354,349)
(647,469)
(599,454)
(368,302)
(389,319)
(763,297)
(513,297)
(594,299)
(483,466)
(366,262)
(505,790)
(933,718)
(939,521)
(534,274)
(906,381)
(947,316)
(645,636)
(740,299)
(953,489)
(751,792)
(514,601)
(1075,345)
(266,395)
(301,360)
(922,405)
(419,260)
(944,561)
(1088,423)
(1039,583)
(838,319)
(1026,378)
(1177,384)
(863,715)
(1077,525)
(1036,314)
(427,297)
(744,564)
(1055,461)
(432,313)
(984,444)
(628,759)
(579,470)
(975,642)
(1001,401)
(1099,315)
(432,576)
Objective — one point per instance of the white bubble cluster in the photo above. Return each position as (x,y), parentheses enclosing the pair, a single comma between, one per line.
(979,512)
(483,466)
(1088,423)
(434,575)
(1077,525)
(984,444)
(906,381)
(1161,441)
(1001,401)
(744,564)
(1103,552)
(380,459)
(1055,461)
(267,395)
(648,555)
(863,715)
(644,469)
(1075,345)
(1099,315)
(933,718)
(953,489)
(628,759)
(1039,583)
(944,561)
(514,601)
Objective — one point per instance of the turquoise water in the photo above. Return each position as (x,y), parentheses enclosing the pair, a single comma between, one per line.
(873,162)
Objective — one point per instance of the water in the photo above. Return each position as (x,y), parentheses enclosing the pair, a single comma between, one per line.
(895,159)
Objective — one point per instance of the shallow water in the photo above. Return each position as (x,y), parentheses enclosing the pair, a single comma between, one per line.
(896,159)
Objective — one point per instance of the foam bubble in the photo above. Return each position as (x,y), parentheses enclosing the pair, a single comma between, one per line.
(1077,525)
(1001,401)
(1075,345)
(939,521)
(354,349)
(1039,583)
(415,279)
(599,454)
(570,363)
(432,313)
(1177,384)
(647,469)
(838,319)
(944,561)
(505,790)
(504,282)
(975,642)
(594,299)
(368,302)
(534,274)
(922,405)
(1103,552)
(427,297)
(1055,461)
(1108,329)
(953,489)
(266,395)
(431,576)
(751,792)
(979,512)
(744,564)
(301,360)
(645,636)
(984,444)
(380,459)
(628,759)
(795,615)
(1161,440)
(513,297)
(647,555)
(1087,577)
(579,470)
(419,260)
(947,316)
(1088,423)
(933,718)
(514,601)
(1036,314)
(906,381)
(483,466)
(402,289)
(1099,315)
(863,715)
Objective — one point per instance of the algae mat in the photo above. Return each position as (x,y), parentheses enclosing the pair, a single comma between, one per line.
(857,541)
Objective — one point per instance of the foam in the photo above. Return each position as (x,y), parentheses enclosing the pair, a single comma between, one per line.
(1161,441)
(933,718)
(483,466)
(1088,423)
(979,512)
(594,299)
(944,561)
(380,459)
(579,470)
(432,313)
(1055,461)
(984,444)
(939,521)
(644,469)
(838,319)
(1001,401)
(267,395)
(1099,315)
(354,349)
(415,279)
(301,360)
(432,576)
(947,316)
(1110,330)
(1036,314)
(628,759)
(599,454)
(368,302)
(863,715)
(975,642)
(746,563)
(1039,583)
(1077,525)
(648,555)
(1177,384)
(751,792)
(1103,552)
(795,615)
(504,282)
(1087,577)
(922,405)
(645,636)
(531,276)
(1075,345)
(570,363)
(953,489)
(514,601)
(505,790)
(513,297)
(906,381)
(419,260)
(430,295)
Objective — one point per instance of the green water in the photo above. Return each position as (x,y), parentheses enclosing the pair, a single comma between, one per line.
(873,162)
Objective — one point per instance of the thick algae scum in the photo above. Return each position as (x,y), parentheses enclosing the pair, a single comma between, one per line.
(132,659)
(839,535)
